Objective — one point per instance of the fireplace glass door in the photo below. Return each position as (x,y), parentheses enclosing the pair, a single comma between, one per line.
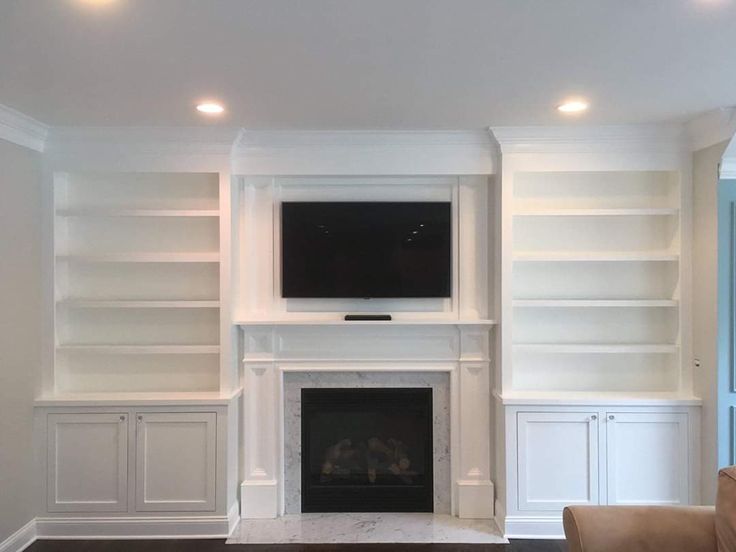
(367,450)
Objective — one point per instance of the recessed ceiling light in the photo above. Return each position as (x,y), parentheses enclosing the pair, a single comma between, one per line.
(98,2)
(210,108)
(573,106)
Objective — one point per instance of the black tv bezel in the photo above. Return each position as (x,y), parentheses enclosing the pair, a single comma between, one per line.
(450,279)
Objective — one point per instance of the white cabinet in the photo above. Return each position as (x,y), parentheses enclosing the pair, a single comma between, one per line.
(175,461)
(167,461)
(647,458)
(87,462)
(557,459)
(572,455)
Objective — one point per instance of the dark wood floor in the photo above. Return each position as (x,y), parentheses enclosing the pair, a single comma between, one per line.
(220,546)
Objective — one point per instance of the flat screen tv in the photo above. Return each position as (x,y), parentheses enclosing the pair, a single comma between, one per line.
(366,249)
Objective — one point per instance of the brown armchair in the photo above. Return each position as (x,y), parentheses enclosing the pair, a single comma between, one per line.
(656,528)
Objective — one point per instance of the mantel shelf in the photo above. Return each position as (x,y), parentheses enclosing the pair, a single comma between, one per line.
(332,322)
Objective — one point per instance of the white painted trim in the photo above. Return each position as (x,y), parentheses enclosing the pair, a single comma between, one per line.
(233,517)
(363,153)
(533,527)
(20,129)
(711,128)
(136,149)
(170,527)
(21,539)
(591,139)
(728,168)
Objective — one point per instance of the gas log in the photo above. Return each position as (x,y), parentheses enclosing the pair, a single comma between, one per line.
(374,457)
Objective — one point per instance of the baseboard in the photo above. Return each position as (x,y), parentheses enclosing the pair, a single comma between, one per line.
(532,527)
(173,527)
(21,539)
(233,517)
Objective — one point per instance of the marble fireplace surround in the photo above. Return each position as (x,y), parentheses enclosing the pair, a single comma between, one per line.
(294,382)
(277,355)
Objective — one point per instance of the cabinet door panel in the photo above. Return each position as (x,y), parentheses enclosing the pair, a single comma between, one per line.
(87,462)
(647,458)
(175,461)
(557,459)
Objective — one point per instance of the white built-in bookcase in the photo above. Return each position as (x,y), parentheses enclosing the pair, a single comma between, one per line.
(596,282)
(137,283)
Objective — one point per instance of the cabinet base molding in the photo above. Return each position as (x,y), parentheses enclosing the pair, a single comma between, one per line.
(21,539)
(175,527)
(531,527)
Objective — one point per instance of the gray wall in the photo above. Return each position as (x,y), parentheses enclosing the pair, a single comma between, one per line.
(20,330)
(705,301)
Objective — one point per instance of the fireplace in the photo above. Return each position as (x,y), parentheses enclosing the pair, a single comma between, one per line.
(367,450)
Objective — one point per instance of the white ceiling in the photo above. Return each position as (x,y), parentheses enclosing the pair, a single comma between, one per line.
(366,64)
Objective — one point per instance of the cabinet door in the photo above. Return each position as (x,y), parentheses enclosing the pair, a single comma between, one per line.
(647,458)
(557,455)
(87,465)
(175,461)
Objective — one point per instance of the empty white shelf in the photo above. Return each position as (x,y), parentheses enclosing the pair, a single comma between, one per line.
(205,257)
(120,212)
(597,348)
(596,256)
(142,349)
(124,304)
(639,212)
(595,303)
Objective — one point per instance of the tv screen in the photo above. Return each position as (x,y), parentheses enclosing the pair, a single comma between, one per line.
(365,249)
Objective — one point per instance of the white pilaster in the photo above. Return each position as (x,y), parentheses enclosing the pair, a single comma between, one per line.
(474,486)
(259,492)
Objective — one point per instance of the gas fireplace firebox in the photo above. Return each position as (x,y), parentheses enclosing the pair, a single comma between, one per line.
(367,450)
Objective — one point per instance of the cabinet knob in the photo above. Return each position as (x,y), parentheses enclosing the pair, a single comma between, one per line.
(122,418)
(611,417)
(594,417)
(140,418)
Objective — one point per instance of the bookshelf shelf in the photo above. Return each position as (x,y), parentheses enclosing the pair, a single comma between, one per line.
(137,285)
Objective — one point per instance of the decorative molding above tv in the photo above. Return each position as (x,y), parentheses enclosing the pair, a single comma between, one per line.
(258,254)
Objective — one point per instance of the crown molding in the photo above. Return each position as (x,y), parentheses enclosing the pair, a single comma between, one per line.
(711,128)
(172,148)
(202,140)
(326,152)
(20,129)
(591,139)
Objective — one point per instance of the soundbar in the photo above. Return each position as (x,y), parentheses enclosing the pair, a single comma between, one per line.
(369,317)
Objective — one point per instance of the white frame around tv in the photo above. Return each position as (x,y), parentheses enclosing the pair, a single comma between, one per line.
(258,280)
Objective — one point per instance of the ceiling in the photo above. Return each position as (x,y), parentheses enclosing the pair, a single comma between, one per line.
(365,64)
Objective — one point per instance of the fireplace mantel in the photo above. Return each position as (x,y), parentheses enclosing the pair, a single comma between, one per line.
(462,350)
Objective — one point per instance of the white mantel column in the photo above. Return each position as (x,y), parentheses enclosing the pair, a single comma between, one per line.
(259,491)
(474,494)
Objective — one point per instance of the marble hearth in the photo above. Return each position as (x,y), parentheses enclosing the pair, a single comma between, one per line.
(280,360)
(367,528)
